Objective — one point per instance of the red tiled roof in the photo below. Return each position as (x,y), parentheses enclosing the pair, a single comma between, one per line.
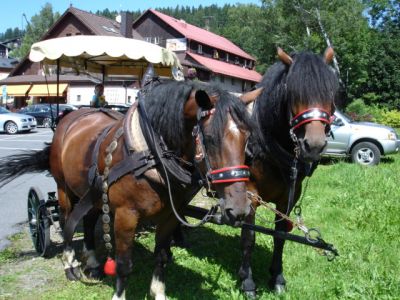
(202,36)
(224,68)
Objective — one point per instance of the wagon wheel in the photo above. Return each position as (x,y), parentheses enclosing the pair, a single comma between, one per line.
(39,224)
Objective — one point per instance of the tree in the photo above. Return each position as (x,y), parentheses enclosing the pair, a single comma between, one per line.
(36,28)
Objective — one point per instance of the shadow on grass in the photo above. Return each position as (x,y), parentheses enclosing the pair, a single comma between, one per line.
(218,246)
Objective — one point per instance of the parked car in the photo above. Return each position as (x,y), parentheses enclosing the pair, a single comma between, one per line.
(364,142)
(122,108)
(12,123)
(42,112)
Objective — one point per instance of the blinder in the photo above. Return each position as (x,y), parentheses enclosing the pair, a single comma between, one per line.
(224,175)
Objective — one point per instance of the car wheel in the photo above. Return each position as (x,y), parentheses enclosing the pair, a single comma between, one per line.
(47,122)
(11,127)
(366,153)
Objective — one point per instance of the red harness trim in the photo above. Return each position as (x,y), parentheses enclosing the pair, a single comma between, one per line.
(321,115)
(229,169)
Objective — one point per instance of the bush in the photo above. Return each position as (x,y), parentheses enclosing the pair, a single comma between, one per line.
(359,111)
(390,118)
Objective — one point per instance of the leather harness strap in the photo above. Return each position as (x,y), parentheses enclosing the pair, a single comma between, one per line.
(133,162)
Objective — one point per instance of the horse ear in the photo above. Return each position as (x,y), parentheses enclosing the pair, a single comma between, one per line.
(203,100)
(251,96)
(284,57)
(328,55)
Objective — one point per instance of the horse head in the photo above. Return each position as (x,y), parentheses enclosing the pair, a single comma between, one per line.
(223,127)
(310,90)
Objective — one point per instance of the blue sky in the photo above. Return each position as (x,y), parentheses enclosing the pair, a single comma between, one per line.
(11,13)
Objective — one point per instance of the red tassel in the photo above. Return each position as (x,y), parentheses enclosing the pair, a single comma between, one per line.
(110,267)
(289,225)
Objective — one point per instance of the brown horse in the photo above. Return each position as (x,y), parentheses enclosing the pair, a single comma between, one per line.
(138,171)
(292,107)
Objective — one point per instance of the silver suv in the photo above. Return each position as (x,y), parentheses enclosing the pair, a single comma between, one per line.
(364,142)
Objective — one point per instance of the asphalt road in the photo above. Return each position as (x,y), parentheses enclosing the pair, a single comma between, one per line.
(14,195)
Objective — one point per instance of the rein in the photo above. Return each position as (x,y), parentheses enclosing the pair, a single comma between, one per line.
(152,136)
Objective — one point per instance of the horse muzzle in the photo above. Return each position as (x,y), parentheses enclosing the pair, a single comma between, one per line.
(310,151)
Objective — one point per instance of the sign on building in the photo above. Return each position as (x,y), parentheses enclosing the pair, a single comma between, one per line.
(176,44)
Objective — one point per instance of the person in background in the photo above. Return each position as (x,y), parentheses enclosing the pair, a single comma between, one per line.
(98,99)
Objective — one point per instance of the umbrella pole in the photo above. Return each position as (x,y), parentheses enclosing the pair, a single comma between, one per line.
(58,85)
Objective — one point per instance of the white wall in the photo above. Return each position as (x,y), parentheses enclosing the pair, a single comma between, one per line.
(114,95)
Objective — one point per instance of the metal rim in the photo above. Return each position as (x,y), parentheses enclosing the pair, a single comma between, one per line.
(365,156)
(47,122)
(39,225)
(11,127)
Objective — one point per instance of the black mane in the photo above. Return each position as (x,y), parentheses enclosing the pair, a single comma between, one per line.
(308,81)
(165,103)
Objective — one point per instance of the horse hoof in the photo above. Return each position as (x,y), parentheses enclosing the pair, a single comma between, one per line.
(250,294)
(279,289)
(94,273)
(73,274)
(249,288)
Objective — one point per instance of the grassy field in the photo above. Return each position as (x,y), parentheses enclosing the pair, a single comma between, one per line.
(356,208)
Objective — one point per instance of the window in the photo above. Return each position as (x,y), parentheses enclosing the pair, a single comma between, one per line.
(156,40)
(222,78)
(68,34)
(232,81)
(200,49)
(216,54)
(148,39)
(78,98)
(236,60)
(78,33)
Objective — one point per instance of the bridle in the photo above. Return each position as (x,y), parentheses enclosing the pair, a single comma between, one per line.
(307,116)
(310,115)
(211,177)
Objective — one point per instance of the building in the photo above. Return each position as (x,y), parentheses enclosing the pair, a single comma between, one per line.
(27,79)
(213,57)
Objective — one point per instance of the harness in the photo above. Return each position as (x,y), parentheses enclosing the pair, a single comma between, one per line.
(133,162)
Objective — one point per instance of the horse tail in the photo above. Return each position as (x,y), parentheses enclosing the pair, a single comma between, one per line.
(31,161)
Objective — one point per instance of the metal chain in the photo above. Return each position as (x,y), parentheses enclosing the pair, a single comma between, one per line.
(311,234)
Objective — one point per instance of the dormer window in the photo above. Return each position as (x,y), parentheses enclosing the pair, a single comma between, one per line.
(200,49)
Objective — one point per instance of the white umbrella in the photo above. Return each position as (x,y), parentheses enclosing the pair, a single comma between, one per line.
(105,54)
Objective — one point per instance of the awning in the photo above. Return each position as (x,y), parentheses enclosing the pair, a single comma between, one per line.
(18,90)
(47,89)
(221,67)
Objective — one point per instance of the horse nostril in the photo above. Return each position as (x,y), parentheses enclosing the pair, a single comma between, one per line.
(306,146)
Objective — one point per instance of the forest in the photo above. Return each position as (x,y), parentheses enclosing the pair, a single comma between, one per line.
(365,35)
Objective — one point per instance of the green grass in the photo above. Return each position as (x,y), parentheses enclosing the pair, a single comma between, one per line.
(356,208)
